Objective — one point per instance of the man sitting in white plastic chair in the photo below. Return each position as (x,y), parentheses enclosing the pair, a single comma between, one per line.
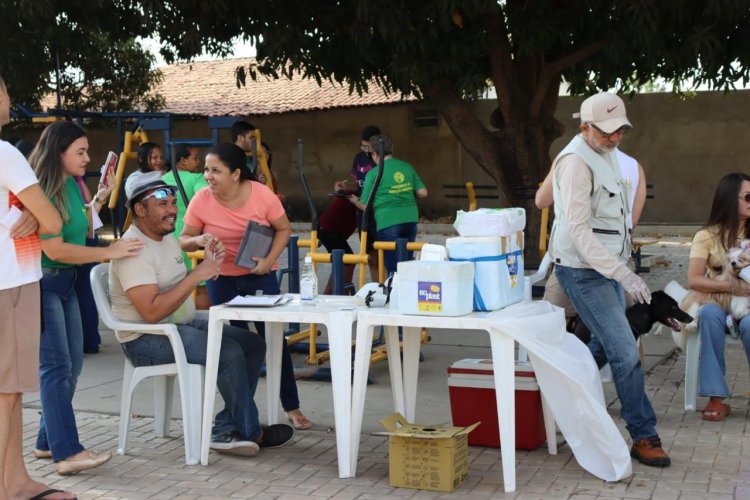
(155,287)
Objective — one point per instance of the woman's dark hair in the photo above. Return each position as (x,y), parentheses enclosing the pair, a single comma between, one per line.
(234,158)
(46,160)
(377,140)
(144,153)
(724,215)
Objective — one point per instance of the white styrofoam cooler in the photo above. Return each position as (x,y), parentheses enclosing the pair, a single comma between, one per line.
(440,288)
(498,274)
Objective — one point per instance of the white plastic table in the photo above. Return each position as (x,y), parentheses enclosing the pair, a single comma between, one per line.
(404,381)
(338,314)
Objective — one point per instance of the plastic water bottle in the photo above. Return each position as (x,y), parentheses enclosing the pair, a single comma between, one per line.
(732,327)
(308,283)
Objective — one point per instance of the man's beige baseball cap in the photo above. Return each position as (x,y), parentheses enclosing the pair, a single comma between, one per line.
(605,110)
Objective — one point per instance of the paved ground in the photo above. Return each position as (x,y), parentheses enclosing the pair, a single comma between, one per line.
(710,460)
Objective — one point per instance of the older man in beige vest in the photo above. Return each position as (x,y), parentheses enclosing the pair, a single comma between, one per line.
(590,246)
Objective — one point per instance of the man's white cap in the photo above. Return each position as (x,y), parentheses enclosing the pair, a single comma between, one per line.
(605,110)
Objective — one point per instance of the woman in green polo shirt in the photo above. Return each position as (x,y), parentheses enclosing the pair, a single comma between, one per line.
(61,154)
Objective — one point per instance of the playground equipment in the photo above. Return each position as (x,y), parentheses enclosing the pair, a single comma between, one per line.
(318,353)
(471,194)
(138,134)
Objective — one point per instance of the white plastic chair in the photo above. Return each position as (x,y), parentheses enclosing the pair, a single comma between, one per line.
(190,376)
(690,342)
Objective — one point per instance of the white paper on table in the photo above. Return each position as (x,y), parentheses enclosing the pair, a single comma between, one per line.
(258,300)
(569,380)
(11,217)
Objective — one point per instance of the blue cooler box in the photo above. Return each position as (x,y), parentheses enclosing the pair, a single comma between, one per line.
(498,268)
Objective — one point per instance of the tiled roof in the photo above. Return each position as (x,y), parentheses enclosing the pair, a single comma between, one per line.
(208,88)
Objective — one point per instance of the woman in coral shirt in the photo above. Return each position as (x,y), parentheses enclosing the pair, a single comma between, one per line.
(218,216)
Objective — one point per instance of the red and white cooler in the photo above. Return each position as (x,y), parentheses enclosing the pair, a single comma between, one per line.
(471,386)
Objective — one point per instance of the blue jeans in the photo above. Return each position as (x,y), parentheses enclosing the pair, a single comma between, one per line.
(407,230)
(225,288)
(601,304)
(89,315)
(60,363)
(240,359)
(711,321)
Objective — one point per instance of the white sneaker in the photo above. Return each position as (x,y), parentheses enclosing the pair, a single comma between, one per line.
(233,444)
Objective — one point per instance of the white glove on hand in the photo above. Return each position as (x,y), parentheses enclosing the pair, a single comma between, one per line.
(636,287)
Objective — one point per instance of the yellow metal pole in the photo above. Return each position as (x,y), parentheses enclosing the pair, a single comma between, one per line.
(195,257)
(472,196)
(262,160)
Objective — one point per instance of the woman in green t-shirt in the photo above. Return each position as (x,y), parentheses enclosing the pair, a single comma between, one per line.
(394,202)
(61,154)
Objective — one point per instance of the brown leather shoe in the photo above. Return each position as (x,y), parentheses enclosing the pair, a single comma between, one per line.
(67,467)
(648,451)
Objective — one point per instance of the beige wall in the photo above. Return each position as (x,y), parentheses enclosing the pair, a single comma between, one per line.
(684,145)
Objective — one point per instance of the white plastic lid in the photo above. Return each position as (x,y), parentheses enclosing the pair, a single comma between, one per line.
(308,259)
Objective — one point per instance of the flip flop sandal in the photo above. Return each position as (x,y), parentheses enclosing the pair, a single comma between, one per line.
(300,422)
(44,494)
(716,411)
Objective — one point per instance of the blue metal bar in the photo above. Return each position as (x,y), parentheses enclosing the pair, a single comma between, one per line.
(293,263)
(305,187)
(337,272)
(192,142)
(402,254)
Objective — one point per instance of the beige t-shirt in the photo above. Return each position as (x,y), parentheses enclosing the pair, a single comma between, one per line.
(707,245)
(159,263)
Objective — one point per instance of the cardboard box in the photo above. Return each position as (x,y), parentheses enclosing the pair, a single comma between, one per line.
(471,386)
(426,457)
(499,268)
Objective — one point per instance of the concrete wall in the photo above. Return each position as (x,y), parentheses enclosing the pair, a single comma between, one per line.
(685,146)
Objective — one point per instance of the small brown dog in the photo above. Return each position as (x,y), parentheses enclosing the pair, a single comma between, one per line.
(738,265)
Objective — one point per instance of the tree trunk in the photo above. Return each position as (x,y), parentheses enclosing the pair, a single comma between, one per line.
(516,156)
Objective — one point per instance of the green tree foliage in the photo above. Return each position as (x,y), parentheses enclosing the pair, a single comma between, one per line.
(445,51)
(102,67)
(450,51)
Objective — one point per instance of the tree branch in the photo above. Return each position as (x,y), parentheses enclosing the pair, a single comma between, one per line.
(472,134)
(501,60)
(549,71)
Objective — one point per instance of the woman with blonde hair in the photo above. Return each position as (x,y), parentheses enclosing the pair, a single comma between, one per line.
(59,156)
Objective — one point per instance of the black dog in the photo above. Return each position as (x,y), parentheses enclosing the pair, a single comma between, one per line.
(663,309)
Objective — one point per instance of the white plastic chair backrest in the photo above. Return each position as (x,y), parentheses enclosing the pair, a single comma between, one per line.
(538,276)
(676,291)
(100,287)
(541,272)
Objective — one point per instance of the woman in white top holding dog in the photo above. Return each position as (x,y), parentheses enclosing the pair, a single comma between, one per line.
(727,225)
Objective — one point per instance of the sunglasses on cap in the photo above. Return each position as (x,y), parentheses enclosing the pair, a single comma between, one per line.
(160,194)
(745,197)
